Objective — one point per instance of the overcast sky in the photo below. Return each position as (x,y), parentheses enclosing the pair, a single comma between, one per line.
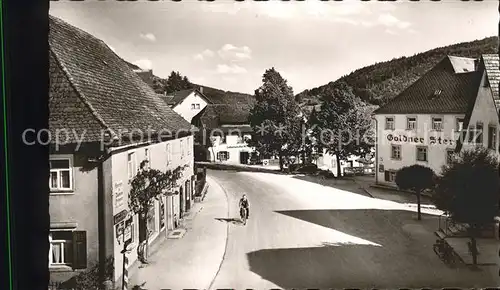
(229,45)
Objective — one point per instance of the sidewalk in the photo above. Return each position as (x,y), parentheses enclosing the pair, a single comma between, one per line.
(193,260)
(488,250)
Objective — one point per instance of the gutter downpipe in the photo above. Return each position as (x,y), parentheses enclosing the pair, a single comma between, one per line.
(376,149)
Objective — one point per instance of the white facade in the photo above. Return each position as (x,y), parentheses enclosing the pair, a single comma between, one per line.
(162,156)
(430,140)
(329,162)
(191,106)
(232,150)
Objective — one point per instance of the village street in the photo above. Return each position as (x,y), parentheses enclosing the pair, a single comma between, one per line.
(304,235)
(301,234)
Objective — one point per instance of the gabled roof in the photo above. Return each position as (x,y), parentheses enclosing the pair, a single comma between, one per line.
(176,98)
(439,91)
(488,63)
(216,115)
(93,89)
(491,64)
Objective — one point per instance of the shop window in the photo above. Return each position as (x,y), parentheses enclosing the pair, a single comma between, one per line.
(61,174)
(390,175)
(389,123)
(68,248)
(223,155)
(151,219)
(421,153)
(396,152)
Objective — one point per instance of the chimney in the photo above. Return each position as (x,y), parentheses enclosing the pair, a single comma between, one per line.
(200,89)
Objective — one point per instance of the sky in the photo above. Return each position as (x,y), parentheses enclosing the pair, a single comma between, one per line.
(228,45)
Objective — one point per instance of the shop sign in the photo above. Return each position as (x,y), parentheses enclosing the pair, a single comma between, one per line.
(128,230)
(118,193)
(120,216)
(236,146)
(420,140)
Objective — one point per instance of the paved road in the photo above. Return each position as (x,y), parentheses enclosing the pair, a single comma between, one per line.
(305,235)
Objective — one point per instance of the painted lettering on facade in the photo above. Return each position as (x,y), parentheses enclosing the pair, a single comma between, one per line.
(420,140)
(118,193)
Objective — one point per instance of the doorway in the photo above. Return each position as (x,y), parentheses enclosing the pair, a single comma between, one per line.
(244,156)
(181,202)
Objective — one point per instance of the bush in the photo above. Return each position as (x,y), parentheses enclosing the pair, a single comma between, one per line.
(308,168)
(326,173)
(293,167)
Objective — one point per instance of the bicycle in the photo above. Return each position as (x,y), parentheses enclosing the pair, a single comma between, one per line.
(243,215)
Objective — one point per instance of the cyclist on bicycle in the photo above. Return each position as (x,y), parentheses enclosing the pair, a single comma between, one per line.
(245,204)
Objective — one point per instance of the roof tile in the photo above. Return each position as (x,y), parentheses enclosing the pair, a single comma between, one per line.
(115,96)
(454,91)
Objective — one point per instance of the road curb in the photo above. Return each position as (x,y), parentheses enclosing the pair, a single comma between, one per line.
(212,180)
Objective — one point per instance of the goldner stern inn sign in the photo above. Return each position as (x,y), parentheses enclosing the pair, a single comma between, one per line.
(420,140)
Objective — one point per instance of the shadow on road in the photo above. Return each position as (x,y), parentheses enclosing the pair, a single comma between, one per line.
(230,220)
(404,258)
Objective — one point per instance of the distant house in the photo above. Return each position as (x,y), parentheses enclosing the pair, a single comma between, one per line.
(229,127)
(452,107)
(109,121)
(187,103)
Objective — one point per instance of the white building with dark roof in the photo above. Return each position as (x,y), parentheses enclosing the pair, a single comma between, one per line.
(109,121)
(456,99)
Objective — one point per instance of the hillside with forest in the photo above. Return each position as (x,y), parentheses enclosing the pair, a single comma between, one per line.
(378,83)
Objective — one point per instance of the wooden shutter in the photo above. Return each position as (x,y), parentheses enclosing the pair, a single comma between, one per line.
(387,176)
(79,250)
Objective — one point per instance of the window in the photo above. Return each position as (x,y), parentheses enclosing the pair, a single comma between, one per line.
(476,134)
(60,248)
(390,175)
(162,214)
(68,248)
(61,175)
(151,219)
(147,157)
(411,123)
(460,124)
(131,166)
(396,152)
(450,154)
(188,146)
(389,123)
(421,153)
(193,106)
(492,137)
(168,153)
(182,148)
(437,123)
(197,106)
(223,155)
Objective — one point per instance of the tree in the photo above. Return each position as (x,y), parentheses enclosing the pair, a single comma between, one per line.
(342,124)
(468,191)
(416,178)
(177,82)
(275,118)
(147,186)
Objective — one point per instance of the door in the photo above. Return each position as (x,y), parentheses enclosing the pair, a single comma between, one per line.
(244,157)
(181,202)
(188,195)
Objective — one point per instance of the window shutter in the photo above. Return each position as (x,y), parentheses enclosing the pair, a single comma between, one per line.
(79,250)
(386,175)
